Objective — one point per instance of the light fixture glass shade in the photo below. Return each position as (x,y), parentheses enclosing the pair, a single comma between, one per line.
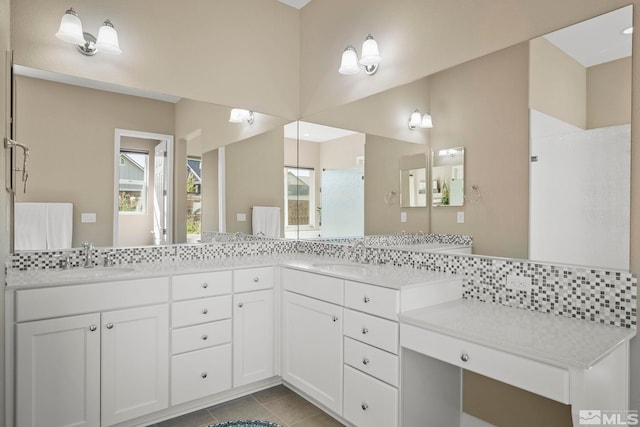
(415,119)
(70,29)
(427,121)
(239,115)
(349,64)
(108,39)
(370,53)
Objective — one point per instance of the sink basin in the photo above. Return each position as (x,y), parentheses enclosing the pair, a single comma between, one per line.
(343,268)
(89,273)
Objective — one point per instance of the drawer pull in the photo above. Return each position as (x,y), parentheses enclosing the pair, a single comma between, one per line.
(365,331)
(205,285)
(464,357)
(203,375)
(240,304)
(364,406)
(366,299)
(204,337)
(365,361)
(256,279)
(109,325)
(93,328)
(334,318)
(205,310)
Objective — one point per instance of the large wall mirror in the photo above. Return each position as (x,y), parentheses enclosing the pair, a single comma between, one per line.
(487,105)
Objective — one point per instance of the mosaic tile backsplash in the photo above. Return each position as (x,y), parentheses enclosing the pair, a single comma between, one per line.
(596,295)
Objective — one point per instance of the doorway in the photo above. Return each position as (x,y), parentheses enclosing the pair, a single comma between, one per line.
(143,199)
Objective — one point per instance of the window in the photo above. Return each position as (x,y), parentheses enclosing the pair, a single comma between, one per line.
(194,198)
(134,180)
(300,196)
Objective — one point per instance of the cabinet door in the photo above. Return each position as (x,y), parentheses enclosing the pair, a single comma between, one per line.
(252,337)
(135,363)
(58,372)
(312,348)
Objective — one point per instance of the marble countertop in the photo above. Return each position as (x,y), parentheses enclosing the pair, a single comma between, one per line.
(381,275)
(544,337)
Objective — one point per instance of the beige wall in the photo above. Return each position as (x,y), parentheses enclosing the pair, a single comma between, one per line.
(609,93)
(136,229)
(70,132)
(557,83)
(210,214)
(225,51)
(381,176)
(254,176)
(495,136)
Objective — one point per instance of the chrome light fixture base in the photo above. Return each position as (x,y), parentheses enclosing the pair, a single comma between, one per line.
(89,46)
(370,69)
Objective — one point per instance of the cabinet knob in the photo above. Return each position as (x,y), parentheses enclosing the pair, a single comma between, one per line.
(364,406)
(109,325)
(256,279)
(366,299)
(365,361)
(205,310)
(334,318)
(365,331)
(204,337)
(464,357)
(240,304)
(93,328)
(203,375)
(205,285)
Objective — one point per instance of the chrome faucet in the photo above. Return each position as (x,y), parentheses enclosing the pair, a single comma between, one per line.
(359,245)
(88,248)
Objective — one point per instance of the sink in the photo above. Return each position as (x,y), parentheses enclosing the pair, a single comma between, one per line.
(339,267)
(89,273)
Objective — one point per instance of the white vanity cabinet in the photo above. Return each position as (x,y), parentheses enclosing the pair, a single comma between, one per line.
(100,368)
(201,333)
(371,355)
(253,325)
(312,336)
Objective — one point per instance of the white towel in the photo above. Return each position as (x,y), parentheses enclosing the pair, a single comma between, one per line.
(266,219)
(59,225)
(30,226)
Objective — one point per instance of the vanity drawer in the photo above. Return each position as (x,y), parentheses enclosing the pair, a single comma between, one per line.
(317,286)
(201,310)
(372,361)
(367,401)
(200,336)
(536,377)
(372,330)
(383,302)
(200,373)
(57,301)
(187,286)
(252,279)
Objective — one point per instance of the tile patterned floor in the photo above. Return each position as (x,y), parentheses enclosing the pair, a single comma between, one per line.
(277,405)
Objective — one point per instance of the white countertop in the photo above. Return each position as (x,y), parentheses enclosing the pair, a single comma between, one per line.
(382,275)
(544,337)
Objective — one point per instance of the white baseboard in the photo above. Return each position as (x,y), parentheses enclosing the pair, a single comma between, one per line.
(470,421)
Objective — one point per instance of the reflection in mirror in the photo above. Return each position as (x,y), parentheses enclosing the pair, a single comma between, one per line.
(447,177)
(413,181)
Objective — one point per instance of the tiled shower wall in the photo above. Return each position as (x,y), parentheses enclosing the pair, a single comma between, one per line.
(596,295)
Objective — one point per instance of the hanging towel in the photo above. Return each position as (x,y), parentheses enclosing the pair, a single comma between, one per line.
(30,226)
(266,219)
(59,225)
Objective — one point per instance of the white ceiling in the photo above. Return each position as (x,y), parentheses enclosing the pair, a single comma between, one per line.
(597,40)
(298,4)
(314,132)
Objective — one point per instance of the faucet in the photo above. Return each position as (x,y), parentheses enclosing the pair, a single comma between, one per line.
(88,248)
(359,245)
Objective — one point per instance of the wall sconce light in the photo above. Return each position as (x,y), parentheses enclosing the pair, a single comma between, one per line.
(70,31)
(417,120)
(369,60)
(238,115)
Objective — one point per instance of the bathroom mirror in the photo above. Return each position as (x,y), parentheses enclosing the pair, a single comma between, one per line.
(447,177)
(413,181)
